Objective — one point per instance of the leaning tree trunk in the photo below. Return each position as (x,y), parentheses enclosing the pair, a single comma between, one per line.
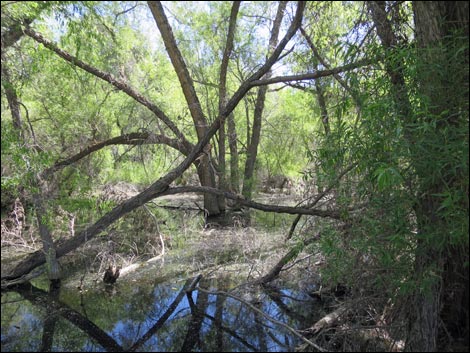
(48,246)
(53,269)
(223,98)
(205,171)
(13,102)
(18,274)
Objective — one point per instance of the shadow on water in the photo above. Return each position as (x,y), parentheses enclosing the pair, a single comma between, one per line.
(182,316)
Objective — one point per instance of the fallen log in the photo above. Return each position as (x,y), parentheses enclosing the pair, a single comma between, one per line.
(159,188)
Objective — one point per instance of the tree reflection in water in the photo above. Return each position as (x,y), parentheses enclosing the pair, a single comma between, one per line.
(166,317)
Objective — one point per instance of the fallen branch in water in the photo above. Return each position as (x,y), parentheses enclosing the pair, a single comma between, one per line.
(328,320)
(291,255)
(23,279)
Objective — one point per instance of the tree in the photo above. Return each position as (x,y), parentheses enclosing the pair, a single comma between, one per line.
(382,88)
(205,171)
(252,150)
(161,185)
(222,101)
(440,257)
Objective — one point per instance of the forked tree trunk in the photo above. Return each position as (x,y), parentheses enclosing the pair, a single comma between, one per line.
(18,274)
(205,171)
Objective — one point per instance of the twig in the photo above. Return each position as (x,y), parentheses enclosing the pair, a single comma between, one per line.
(158,230)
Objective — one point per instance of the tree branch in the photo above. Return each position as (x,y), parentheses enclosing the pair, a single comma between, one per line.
(252,204)
(135,138)
(14,33)
(319,197)
(41,298)
(180,67)
(188,287)
(119,84)
(311,76)
(157,188)
(338,78)
(274,321)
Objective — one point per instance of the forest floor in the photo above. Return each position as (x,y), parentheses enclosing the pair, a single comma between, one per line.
(173,242)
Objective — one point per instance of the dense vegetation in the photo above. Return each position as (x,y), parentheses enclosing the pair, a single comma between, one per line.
(361,108)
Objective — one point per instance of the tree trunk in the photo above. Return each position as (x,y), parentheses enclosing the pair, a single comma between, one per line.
(446,311)
(353,93)
(252,151)
(436,258)
(223,98)
(322,103)
(161,185)
(198,310)
(43,299)
(12,99)
(232,144)
(206,173)
(206,176)
(53,268)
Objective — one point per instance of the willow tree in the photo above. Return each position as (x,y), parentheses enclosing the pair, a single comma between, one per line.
(440,303)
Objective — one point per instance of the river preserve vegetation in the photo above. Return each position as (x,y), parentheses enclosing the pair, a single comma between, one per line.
(234,176)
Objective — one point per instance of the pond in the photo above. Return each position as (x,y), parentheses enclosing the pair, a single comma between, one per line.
(192,299)
(154,318)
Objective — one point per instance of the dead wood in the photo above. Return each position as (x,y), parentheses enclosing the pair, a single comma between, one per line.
(291,255)
(329,320)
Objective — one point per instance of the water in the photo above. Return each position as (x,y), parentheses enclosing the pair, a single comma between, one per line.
(151,317)
(147,311)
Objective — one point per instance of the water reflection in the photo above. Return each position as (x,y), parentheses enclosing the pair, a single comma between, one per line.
(161,317)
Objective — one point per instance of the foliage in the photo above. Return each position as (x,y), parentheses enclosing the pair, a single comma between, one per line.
(405,148)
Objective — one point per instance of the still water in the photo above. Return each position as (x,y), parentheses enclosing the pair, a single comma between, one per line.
(152,309)
(154,317)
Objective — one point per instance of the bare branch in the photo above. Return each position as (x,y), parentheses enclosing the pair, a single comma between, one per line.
(157,188)
(135,138)
(188,287)
(256,205)
(319,197)
(277,322)
(125,11)
(338,78)
(42,298)
(311,76)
